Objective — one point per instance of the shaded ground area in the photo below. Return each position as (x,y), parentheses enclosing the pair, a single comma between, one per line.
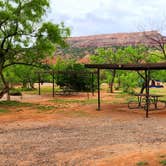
(74,133)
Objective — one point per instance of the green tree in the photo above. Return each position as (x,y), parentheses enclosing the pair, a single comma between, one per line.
(26,75)
(24,38)
(72,75)
(126,55)
(138,55)
(109,56)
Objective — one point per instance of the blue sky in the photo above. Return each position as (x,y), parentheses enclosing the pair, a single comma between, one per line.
(88,17)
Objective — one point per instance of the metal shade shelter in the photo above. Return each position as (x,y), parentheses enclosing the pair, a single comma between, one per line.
(133,67)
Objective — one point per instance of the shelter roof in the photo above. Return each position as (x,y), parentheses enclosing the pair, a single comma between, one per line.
(143,66)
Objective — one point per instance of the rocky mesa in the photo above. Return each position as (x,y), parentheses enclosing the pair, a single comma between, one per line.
(116,39)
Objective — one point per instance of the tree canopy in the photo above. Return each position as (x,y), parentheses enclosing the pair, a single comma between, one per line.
(73,75)
(24,37)
(136,55)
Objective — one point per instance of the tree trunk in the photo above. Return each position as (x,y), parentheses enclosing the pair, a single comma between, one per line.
(142,88)
(112,80)
(119,82)
(31,84)
(8,95)
(5,89)
(24,84)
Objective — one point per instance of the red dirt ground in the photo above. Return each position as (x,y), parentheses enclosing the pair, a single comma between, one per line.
(127,155)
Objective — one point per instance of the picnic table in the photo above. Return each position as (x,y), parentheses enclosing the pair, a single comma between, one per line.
(65,90)
(151,99)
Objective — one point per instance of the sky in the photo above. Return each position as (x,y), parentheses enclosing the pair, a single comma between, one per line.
(89,17)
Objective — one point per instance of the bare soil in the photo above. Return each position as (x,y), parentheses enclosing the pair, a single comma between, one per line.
(75,133)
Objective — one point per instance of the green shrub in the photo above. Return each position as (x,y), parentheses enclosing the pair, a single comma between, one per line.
(15,103)
(75,77)
(163,162)
(15,92)
(27,89)
(142,163)
(3,111)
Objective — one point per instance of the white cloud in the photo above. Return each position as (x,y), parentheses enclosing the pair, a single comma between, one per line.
(107,16)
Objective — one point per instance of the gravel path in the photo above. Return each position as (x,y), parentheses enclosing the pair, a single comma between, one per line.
(76,141)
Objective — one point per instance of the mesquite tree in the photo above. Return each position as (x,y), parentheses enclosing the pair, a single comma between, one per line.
(108,55)
(158,41)
(24,38)
(134,55)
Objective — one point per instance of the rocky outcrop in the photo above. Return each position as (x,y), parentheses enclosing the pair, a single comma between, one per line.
(116,39)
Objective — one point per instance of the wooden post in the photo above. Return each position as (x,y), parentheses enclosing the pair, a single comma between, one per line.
(39,91)
(98,87)
(53,85)
(147,76)
(8,92)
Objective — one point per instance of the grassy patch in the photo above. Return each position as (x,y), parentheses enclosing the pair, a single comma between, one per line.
(66,101)
(157,90)
(132,98)
(15,103)
(120,95)
(44,90)
(2,111)
(31,92)
(79,114)
(45,108)
(18,104)
(160,91)
(74,113)
(142,163)
(90,101)
(163,162)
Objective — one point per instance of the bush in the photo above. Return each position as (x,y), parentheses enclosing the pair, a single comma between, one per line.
(129,82)
(15,92)
(28,89)
(76,77)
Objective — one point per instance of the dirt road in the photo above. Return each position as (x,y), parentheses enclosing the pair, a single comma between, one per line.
(81,141)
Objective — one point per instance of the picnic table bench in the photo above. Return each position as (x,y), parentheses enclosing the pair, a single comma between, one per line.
(153,102)
(65,91)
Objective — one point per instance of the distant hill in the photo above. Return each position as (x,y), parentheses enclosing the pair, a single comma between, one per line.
(115,39)
(83,45)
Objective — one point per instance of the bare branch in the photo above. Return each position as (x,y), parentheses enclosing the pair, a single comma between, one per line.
(142,76)
(158,41)
(23,63)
